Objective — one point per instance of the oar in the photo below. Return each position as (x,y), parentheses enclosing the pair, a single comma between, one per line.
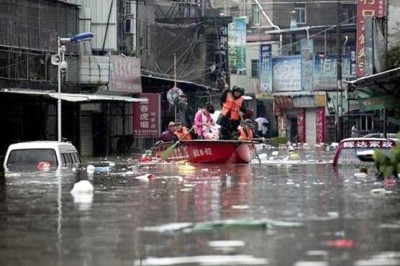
(255,151)
(165,154)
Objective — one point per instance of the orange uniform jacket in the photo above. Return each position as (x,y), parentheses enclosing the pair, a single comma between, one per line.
(245,136)
(232,105)
(183,134)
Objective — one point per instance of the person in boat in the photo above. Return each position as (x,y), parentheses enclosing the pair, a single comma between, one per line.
(246,130)
(168,135)
(181,132)
(183,111)
(203,120)
(232,111)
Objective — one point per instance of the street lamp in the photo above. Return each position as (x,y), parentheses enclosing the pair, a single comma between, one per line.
(62,68)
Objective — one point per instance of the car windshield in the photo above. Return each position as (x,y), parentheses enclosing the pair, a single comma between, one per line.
(380,135)
(31,157)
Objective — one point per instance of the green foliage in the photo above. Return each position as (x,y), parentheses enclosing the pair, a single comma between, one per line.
(393,57)
(388,164)
(278,140)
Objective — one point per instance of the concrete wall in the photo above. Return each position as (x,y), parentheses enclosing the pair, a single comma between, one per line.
(393,23)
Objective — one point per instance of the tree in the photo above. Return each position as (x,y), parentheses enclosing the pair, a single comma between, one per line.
(393,57)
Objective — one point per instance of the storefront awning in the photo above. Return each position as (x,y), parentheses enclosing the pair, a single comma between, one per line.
(383,83)
(74,97)
(300,99)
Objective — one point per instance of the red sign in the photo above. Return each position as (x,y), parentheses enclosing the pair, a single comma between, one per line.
(146,116)
(375,8)
(125,74)
(301,126)
(321,123)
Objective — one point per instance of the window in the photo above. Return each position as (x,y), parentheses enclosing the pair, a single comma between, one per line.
(32,156)
(234,11)
(254,68)
(255,15)
(301,13)
(349,14)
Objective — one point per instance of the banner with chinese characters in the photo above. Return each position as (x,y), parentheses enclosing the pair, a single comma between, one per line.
(265,68)
(286,73)
(321,122)
(375,8)
(307,64)
(237,46)
(325,76)
(146,117)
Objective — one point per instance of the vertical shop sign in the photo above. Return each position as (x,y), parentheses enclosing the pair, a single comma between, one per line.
(320,125)
(237,46)
(146,116)
(375,8)
(265,68)
(307,64)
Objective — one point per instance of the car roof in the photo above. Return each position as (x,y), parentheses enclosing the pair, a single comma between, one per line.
(41,144)
(392,135)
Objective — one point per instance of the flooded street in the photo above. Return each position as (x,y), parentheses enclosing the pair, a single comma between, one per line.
(292,209)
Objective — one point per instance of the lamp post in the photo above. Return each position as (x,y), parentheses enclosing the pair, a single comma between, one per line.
(62,68)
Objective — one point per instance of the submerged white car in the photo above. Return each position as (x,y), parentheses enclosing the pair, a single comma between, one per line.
(40,155)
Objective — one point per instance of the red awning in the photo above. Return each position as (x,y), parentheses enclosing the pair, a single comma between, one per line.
(284,101)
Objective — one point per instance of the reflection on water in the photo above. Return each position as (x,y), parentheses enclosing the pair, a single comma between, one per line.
(288,210)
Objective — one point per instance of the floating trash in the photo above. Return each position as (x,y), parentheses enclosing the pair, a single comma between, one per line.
(82,187)
(226,243)
(339,243)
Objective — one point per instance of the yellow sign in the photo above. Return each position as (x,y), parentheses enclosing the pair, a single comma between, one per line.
(264,95)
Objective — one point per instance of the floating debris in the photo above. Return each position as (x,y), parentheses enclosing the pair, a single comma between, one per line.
(221,224)
(203,260)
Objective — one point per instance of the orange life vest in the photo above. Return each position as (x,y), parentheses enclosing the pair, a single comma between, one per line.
(245,135)
(183,134)
(232,105)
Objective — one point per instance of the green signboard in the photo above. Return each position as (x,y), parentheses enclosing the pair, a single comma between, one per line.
(378,103)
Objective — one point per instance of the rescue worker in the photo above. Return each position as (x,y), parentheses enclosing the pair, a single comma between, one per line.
(232,112)
(181,132)
(184,112)
(246,130)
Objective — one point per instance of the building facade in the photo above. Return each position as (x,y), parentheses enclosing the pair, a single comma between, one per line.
(95,106)
(292,63)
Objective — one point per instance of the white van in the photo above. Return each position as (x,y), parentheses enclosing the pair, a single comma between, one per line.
(40,155)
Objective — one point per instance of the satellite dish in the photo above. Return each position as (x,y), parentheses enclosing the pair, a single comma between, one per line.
(172,94)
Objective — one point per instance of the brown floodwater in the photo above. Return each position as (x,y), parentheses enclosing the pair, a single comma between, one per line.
(288,210)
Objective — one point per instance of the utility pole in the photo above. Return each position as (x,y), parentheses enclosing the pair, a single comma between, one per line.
(339,93)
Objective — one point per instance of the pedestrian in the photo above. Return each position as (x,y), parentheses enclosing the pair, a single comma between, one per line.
(262,126)
(203,120)
(183,112)
(168,135)
(246,130)
(232,111)
(354,131)
(181,132)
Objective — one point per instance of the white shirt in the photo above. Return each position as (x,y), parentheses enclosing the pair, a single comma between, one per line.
(260,122)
